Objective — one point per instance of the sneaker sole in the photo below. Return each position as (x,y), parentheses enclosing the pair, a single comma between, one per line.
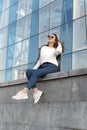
(39,98)
(19,98)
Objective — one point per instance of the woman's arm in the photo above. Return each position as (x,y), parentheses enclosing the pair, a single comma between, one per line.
(58,49)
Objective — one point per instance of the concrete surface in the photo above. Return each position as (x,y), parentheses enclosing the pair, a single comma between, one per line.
(62,107)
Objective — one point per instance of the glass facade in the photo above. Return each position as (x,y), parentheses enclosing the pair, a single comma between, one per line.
(24,26)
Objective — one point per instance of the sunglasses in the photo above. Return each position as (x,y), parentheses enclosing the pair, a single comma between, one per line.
(51,37)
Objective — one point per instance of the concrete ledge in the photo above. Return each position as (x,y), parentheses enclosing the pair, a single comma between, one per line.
(57,75)
(62,107)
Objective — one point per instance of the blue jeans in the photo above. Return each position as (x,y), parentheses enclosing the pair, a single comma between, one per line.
(33,75)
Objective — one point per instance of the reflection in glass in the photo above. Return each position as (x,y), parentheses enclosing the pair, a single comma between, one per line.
(66,63)
(43,39)
(3,58)
(20,29)
(79,34)
(67,11)
(19,72)
(79,59)
(8,75)
(56,11)
(43,3)
(2,75)
(9,60)
(29,7)
(78,8)
(13,1)
(27,26)
(44,19)
(57,31)
(4,4)
(4,18)
(13,13)
(21,52)
(3,37)
(22,6)
(11,33)
(66,36)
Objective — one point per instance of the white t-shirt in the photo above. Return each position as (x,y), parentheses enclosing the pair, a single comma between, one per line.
(48,54)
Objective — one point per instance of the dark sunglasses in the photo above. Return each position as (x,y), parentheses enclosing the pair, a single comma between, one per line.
(50,36)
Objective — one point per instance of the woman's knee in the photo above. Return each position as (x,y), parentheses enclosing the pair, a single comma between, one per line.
(29,72)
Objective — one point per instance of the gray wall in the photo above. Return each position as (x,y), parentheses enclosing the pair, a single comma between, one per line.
(62,107)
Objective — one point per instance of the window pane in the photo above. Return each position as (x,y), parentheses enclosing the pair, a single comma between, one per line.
(56,11)
(9,60)
(22,9)
(43,39)
(20,29)
(11,33)
(17,54)
(29,6)
(78,8)
(13,1)
(4,18)
(79,34)
(19,72)
(3,37)
(13,13)
(57,31)
(27,26)
(21,53)
(4,4)
(66,36)
(43,3)
(24,52)
(8,75)
(79,60)
(66,63)
(3,58)
(44,19)
(2,76)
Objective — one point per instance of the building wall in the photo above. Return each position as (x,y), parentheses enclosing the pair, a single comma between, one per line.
(63,105)
(24,26)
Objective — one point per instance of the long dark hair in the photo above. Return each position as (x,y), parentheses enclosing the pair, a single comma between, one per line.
(57,41)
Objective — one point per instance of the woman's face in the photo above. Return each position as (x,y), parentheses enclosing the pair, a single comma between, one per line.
(51,38)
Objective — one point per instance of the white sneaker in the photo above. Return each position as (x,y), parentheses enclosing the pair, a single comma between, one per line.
(20,95)
(37,96)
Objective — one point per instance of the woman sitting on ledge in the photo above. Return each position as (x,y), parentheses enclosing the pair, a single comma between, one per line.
(47,63)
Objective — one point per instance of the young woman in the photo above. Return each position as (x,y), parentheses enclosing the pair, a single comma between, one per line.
(47,63)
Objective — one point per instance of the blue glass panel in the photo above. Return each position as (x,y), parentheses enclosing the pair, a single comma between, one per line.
(66,34)
(8,75)
(55,13)
(67,14)
(10,52)
(33,48)
(34,23)
(79,59)
(11,39)
(13,13)
(11,33)
(66,63)
(35,5)
(44,19)
(13,1)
